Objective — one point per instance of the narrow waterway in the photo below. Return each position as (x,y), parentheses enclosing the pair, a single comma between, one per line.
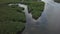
(34,26)
(47,23)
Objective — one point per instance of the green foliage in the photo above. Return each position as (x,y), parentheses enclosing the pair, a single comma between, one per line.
(58,1)
(36,8)
(12,19)
(10,27)
(11,13)
(7,1)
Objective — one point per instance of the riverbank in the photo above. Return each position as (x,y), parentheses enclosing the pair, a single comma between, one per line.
(12,19)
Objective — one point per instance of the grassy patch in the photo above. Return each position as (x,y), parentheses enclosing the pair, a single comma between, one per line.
(12,19)
(35,8)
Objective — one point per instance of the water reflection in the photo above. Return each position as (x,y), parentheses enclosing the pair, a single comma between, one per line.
(47,23)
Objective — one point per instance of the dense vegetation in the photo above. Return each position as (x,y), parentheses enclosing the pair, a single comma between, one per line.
(12,19)
(58,1)
(36,9)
